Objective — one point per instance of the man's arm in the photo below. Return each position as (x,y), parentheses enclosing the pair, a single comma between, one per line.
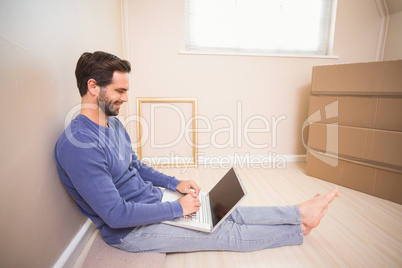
(150,174)
(159,179)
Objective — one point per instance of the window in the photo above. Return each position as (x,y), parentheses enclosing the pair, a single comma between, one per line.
(259,26)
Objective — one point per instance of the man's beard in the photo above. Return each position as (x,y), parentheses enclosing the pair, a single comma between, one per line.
(106,105)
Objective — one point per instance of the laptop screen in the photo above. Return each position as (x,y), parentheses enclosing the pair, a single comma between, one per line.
(225,195)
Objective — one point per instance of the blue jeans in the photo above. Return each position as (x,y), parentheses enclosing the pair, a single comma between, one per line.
(246,229)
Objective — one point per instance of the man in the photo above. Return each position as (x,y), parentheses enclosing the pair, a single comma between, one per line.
(117,191)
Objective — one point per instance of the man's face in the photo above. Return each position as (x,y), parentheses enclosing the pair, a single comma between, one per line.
(114,95)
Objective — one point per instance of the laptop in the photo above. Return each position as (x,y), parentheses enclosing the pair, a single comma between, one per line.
(216,205)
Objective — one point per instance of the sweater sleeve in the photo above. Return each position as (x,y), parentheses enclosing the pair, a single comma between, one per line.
(155,177)
(94,184)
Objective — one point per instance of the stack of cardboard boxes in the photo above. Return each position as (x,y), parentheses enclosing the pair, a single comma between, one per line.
(355,127)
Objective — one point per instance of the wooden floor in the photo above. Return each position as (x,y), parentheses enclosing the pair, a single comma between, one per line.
(359,230)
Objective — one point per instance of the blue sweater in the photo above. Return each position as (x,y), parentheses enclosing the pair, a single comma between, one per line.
(107,181)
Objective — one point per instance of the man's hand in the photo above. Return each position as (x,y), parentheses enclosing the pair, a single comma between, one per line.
(189,204)
(188,187)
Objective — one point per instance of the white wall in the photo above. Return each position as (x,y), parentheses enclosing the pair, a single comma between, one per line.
(40,43)
(266,86)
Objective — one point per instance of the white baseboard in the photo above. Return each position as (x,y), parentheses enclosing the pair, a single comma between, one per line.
(77,244)
(296,158)
(269,160)
(253,161)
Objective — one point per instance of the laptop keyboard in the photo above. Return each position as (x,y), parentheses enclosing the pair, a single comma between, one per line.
(202,214)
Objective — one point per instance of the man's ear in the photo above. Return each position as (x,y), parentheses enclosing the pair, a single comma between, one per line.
(92,87)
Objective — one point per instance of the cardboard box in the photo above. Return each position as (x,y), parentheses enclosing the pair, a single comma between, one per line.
(381,78)
(367,112)
(363,144)
(355,131)
(358,176)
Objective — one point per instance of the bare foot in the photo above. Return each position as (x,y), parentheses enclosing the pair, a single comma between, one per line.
(313,210)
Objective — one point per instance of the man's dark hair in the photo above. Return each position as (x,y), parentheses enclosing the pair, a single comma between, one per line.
(99,66)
